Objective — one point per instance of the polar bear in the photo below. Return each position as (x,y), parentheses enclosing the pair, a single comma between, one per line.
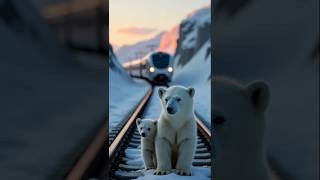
(239,129)
(176,131)
(147,129)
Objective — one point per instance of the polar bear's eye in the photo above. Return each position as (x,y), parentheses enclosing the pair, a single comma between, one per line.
(219,120)
(178,99)
(166,99)
(140,128)
(149,129)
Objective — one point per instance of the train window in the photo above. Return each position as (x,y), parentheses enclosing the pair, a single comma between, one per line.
(160,60)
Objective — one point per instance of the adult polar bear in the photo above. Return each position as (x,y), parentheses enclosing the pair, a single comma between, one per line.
(176,134)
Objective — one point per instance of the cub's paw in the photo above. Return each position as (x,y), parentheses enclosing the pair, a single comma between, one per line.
(161,172)
(183,172)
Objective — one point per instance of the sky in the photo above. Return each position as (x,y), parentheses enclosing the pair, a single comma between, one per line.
(131,21)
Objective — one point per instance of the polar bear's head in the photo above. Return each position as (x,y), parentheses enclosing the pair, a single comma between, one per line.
(176,101)
(147,127)
(239,124)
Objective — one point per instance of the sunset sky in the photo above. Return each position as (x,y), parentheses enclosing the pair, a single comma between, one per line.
(131,21)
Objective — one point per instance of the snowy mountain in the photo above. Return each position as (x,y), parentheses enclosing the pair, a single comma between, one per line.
(114,64)
(193,59)
(128,52)
(194,32)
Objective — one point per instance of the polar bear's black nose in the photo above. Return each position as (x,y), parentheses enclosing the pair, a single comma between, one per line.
(170,110)
(143,134)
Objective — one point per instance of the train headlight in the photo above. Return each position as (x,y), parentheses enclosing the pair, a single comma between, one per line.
(151,69)
(170,69)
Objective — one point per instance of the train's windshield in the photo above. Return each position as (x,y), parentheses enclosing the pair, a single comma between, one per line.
(160,60)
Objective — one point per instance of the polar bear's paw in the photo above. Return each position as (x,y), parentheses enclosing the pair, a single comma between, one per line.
(161,172)
(183,172)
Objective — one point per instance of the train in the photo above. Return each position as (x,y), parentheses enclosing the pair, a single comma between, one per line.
(159,67)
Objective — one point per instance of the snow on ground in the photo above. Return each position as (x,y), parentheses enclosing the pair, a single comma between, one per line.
(196,74)
(202,173)
(124,92)
(124,95)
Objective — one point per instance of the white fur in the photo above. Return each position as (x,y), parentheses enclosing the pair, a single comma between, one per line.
(239,141)
(176,135)
(147,143)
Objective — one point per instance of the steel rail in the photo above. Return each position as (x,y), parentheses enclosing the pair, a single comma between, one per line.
(203,128)
(120,138)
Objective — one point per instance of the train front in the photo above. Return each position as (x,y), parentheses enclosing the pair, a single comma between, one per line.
(160,68)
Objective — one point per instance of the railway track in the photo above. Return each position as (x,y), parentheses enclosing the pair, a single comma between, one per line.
(124,140)
(124,147)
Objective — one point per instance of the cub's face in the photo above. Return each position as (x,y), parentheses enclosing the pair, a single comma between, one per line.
(176,100)
(146,127)
(238,119)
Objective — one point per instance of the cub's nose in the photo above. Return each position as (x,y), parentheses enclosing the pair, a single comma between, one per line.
(143,134)
(170,110)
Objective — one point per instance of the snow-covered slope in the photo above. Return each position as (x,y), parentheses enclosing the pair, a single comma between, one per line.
(124,92)
(128,52)
(194,32)
(193,59)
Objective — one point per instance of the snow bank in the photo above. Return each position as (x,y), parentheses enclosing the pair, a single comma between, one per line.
(124,92)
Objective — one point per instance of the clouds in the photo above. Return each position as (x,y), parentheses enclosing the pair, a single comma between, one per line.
(137,31)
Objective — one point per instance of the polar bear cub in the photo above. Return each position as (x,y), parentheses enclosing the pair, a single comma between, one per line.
(147,129)
(176,135)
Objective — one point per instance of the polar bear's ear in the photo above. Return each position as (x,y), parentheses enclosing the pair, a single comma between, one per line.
(161,92)
(191,91)
(138,121)
(259,94)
